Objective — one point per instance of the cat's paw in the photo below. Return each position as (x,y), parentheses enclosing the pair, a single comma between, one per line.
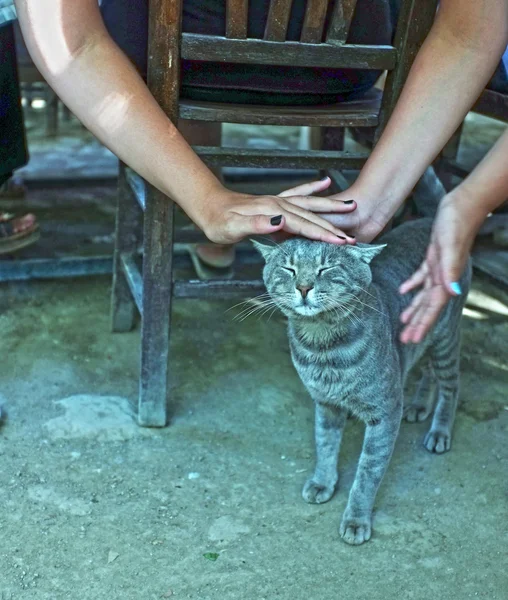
(437,441)
(355,530)
(416,413)
(317,493)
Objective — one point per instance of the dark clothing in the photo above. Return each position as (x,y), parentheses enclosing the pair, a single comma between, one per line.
(13,154)
(127,22)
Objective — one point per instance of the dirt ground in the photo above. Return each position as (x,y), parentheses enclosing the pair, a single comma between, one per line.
(94,507)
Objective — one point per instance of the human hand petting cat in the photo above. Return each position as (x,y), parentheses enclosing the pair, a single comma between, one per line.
(371,216)
(440,272)
(232,216)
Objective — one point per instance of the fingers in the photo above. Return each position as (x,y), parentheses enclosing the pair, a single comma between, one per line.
(240,226)
(297,217)
(298,225)
(452,264)
(423,314)
(322,205)
(306,189)
(416,280)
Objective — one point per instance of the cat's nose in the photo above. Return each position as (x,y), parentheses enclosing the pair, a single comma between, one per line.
(304,289)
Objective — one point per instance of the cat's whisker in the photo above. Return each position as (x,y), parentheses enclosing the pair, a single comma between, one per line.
(252,310)
(249,300)
(356,299)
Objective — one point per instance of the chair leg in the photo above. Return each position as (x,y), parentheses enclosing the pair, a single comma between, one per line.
(51,113)
(156,322)
(127,237)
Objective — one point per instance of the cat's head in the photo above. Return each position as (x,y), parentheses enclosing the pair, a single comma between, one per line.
(307,278)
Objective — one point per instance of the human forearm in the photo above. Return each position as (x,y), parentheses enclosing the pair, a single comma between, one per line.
(485,188)
(112,100)
(452,67)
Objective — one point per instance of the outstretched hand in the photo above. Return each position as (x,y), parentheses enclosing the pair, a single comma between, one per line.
(440,272)
(294,211)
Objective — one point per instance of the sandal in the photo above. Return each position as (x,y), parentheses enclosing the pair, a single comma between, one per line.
(10,239)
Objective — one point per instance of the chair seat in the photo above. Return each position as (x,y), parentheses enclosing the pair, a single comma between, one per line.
(492,104)
(363,112)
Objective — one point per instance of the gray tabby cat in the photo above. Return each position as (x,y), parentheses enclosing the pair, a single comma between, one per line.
(343,307)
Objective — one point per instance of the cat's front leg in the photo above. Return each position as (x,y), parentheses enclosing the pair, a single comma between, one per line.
(329,425)
(356,525)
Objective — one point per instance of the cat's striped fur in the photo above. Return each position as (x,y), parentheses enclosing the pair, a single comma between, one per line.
(343,308)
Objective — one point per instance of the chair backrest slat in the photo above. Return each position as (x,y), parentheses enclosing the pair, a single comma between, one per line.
(278,20)
(314,22)
(236,19)
(342,16)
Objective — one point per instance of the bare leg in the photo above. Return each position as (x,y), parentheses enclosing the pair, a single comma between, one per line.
(329,426)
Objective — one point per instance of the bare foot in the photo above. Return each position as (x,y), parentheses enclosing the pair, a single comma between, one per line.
(216,255)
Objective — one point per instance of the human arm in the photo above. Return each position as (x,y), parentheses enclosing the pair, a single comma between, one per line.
(69,44)
(460,215)
(452,67)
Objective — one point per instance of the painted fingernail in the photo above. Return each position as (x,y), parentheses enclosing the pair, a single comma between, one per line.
(324,178)
(455,287)
(341,237)
(348,201)
(276,220)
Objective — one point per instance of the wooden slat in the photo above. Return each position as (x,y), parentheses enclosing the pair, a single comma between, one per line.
(134,279)
(278,20)
(218,290)
(137,185)
(285,159)
(236,18)
(314,21)
(343,11)
(54,268)
(297,54)
(360,113)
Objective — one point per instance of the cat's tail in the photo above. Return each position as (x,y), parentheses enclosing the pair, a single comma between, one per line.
(428,193)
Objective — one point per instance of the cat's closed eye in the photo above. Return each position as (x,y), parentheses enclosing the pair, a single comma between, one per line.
(289,270)
(324,269)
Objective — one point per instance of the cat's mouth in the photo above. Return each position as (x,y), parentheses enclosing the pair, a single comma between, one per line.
(307,310)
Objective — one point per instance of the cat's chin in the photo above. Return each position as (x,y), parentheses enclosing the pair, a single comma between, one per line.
(307,311)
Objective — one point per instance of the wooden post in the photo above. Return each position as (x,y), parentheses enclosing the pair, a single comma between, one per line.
(164,82)
(127,238)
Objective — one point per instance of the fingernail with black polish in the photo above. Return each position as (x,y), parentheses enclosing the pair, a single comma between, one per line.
(341,237)
(324,178)
(348,201)
(276,220)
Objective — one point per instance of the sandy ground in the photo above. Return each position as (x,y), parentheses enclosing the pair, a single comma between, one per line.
(94,507)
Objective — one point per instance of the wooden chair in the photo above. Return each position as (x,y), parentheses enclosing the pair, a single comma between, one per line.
(152,288)
(490,104)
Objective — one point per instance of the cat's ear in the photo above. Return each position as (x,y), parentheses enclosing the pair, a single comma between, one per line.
(265,250)
(367,252)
